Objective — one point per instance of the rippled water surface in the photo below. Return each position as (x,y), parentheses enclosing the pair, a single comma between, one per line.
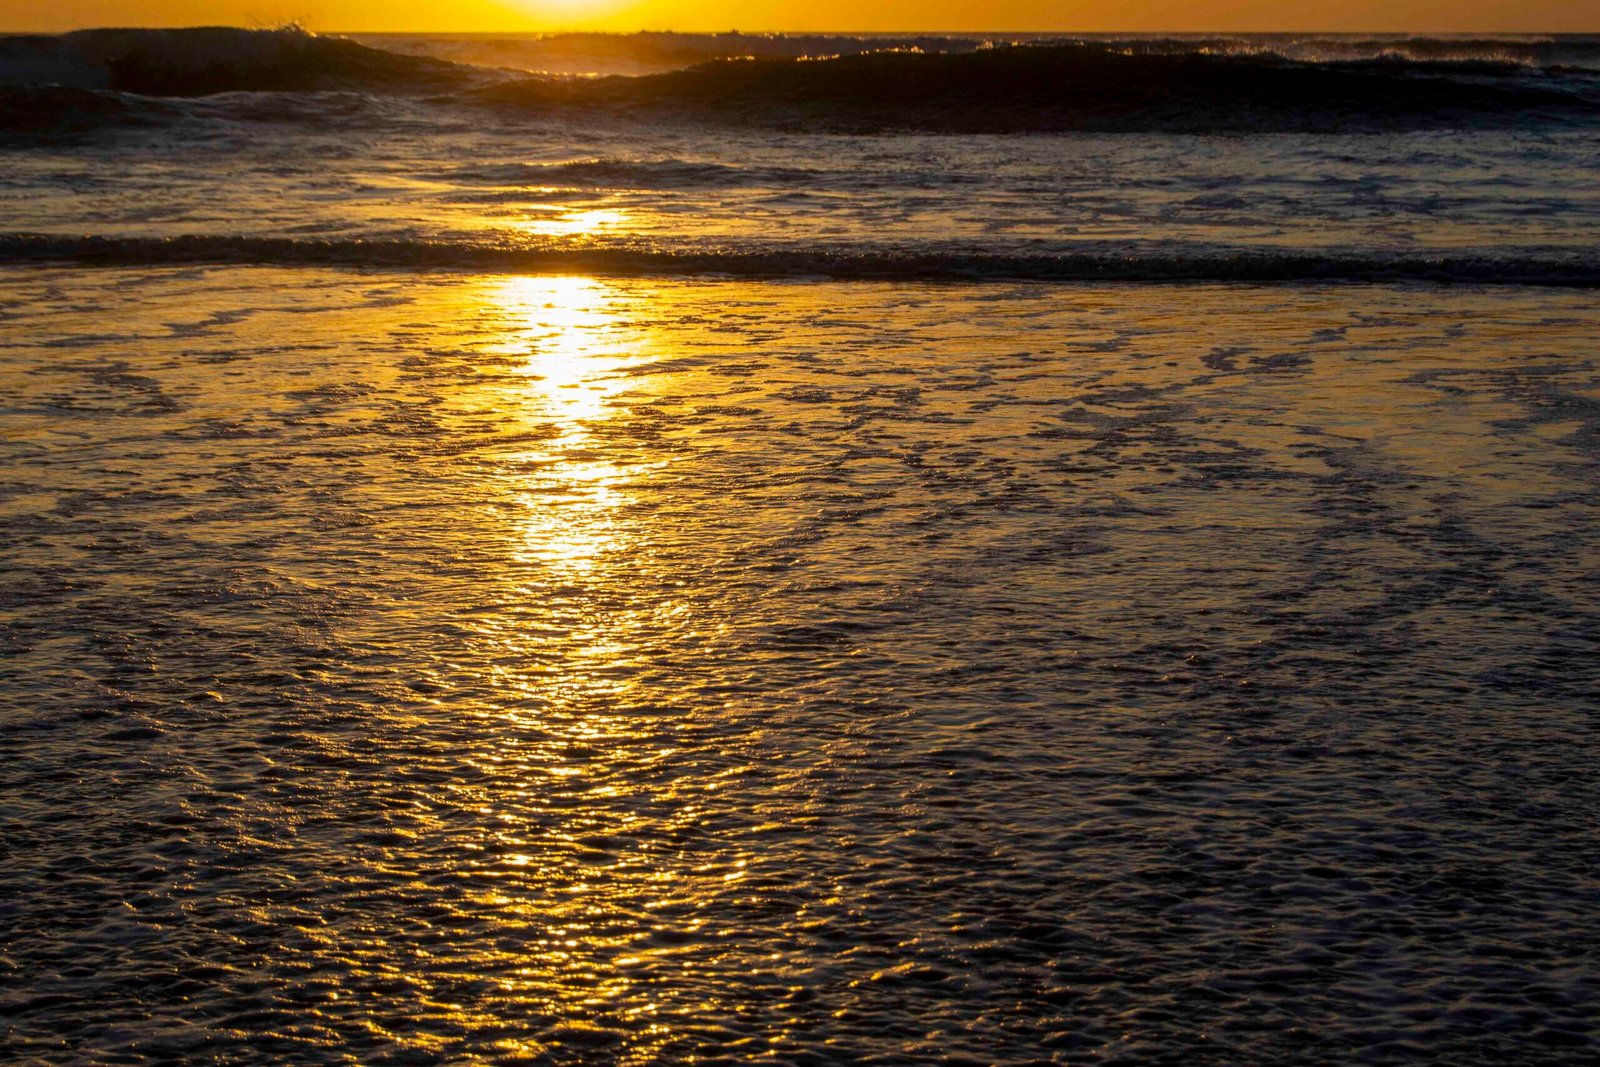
(445,177)
(464,669)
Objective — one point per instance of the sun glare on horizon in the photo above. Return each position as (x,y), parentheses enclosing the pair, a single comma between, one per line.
(1077,16)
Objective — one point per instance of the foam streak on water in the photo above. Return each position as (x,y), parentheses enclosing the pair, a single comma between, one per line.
(477,668)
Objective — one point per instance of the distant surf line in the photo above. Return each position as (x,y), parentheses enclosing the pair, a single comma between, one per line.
(843,264)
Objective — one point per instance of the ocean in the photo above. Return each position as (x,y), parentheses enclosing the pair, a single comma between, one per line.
(918,549)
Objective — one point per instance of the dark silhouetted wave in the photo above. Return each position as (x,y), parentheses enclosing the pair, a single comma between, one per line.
(1528,50)
(202,61)
(1154,263)
(1083,87)
(650,52)
(1232,84)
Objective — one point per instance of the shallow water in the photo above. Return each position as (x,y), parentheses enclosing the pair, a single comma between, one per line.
(453,668)
(441,176)
(1248,158)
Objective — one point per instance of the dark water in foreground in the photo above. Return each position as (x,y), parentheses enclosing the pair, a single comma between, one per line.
(481,668)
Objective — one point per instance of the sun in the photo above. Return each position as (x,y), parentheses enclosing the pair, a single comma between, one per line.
(576,13)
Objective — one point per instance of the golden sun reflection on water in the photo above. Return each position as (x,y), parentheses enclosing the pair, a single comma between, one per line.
(567,865)
(566,223)
(577,358)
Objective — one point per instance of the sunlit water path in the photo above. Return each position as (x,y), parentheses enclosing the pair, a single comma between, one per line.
(472,669)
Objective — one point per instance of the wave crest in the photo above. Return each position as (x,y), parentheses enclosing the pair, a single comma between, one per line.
(1154,263)
(198,62)
(1080,87)
(1157,84)
(610,173)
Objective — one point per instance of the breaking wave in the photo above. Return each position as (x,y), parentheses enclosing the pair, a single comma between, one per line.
(1143,85)
(1083,87)
(647,52)
(199,62)
(1153,264)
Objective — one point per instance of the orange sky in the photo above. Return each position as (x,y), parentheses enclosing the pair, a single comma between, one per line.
(333,15)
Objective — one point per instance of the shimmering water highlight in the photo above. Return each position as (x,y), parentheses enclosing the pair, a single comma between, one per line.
(443,669)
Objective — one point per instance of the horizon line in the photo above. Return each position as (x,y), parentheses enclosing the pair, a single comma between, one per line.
(751,32)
